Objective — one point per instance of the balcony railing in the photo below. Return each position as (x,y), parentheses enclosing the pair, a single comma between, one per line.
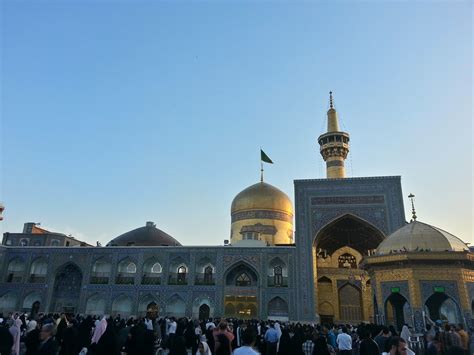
(100,278)
(177,279)
(37,278)
(14,277)
(272,281)
(123,279)
(203,279)
(151,279)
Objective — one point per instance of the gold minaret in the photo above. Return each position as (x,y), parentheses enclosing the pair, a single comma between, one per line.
(334,145)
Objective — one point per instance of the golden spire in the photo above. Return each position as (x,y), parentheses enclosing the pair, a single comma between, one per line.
(413,212)
(334,144)
(333,121)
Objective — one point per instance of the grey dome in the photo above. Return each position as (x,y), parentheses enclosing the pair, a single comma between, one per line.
(148,236)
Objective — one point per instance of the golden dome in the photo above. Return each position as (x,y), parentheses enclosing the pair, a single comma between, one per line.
(262,196)
(418,237)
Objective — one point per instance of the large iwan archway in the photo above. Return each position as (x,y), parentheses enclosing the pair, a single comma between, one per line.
(241,290)
(67,289)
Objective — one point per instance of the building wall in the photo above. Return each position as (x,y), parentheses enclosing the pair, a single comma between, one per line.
(377,200)
(46,239)
(417,283)
(222,259)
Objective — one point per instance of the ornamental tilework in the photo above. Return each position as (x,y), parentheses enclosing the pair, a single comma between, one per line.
(402,286)
(450,288)
(388,217)
(419,323)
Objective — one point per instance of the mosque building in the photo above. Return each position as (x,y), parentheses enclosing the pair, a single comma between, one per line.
(344,254)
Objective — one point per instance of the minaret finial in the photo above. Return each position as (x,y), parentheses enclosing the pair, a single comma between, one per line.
(330,100)
(413,212)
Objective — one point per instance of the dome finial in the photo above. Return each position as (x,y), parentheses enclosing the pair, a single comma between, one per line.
(413,212)
(330,100)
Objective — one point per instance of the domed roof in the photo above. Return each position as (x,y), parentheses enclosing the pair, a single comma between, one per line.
(144,236)
(262,196)
(418,236)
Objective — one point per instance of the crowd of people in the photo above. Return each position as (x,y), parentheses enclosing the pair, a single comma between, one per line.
(52,334)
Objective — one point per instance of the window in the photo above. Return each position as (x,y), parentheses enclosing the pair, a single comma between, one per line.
(347,261)
(278,276)
(131,268)
(55,243)
(24,242)
(156,268)
(208,275)
(181,274)
(250,236)
(242,280)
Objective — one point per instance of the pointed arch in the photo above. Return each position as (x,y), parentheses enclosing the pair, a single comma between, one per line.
(176,306)
(127,266)
(15,269)
(350,303)
(123,305)
(38,270)
(9,301)
(440,306)
(30,299)
(152,272)
(96,304)
(396,310)
(324,279)
(148,301)
(67,288)
(239,269)
(203,306)
(348,230)
(126,271)
(101,271)
(277,307)
(152,266)
(326,309)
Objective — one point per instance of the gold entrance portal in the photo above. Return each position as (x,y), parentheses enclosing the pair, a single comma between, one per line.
(244,307)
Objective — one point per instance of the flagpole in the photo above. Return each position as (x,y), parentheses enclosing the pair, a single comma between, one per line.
(261,166)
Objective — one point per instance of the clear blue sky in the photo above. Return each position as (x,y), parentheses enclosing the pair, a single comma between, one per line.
(115,113)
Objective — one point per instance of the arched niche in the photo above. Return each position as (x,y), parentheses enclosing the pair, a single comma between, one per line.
(241,275)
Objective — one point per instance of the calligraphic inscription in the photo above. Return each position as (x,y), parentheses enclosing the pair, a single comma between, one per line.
(262,214)
(347,200)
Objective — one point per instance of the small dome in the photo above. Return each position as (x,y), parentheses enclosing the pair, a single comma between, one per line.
(262,196)
(417,236)
(144,236)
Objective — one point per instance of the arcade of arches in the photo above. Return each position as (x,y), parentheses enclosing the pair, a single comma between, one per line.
(343,288)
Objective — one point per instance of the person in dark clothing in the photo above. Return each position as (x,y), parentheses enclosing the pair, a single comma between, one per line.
(210,338)
(139,341)
(108,343)
(60,329)
(367,346)
(285,343)
(320,345)
(222,345)
(179,346)
(393,332)
(48,345)
(32,338)
(84,332)
(70,344)
(382,338)
(6,341)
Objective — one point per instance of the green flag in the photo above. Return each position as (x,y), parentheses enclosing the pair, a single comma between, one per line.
(264,157)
